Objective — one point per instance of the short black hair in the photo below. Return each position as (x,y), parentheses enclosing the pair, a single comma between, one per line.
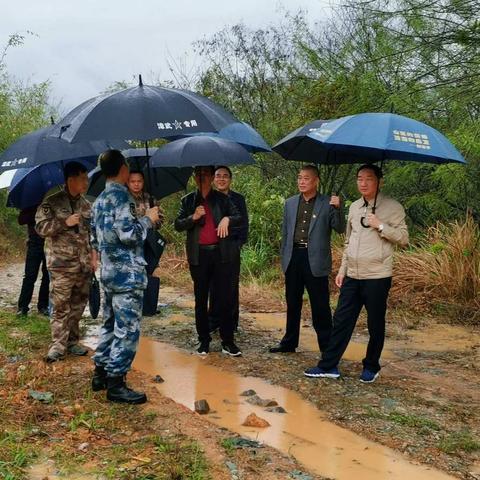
(73,169)
(199,168)
(312,168)
(218,167)
(111,161)
(374,168)
(138,172)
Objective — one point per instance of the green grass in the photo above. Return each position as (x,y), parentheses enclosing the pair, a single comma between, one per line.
(16,452)
(458,442)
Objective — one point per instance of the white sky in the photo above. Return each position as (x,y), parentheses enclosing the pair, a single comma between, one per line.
(83,46)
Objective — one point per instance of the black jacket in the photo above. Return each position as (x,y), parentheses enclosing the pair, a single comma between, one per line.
(221,206)
(240,232)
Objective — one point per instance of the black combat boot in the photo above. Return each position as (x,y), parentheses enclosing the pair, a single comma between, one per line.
(99,380)
(117,391)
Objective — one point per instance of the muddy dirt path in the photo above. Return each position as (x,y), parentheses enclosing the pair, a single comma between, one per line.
(425,404)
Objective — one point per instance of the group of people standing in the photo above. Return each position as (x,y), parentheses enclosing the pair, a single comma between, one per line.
(111,235)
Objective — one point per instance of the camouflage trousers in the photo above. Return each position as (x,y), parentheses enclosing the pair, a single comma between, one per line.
(120,332)
(69,294)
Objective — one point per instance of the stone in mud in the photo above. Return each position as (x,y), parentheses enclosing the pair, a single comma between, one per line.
(158,379)
(276,409)
(253,421)
(202,407)
(248,393)
(256,400)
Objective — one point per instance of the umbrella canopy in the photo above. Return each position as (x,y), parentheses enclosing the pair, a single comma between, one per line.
(29,185)
(242,133)
(163,181)
(200,150)
(38,147)
(142,113)
(372,137)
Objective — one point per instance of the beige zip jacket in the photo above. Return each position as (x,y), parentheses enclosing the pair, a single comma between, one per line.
(368,253)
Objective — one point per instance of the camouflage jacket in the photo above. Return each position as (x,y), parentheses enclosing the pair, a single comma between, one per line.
(142,204)
(67,248)
(118,235)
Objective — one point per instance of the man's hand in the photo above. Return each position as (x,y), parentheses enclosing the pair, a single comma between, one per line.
(198,213)
(339,280)
(335,201)
(222,229)
(152,214)
(373,220)
(94,260)
(73,220)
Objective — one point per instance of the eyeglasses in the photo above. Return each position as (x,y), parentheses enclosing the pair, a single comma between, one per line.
(225,176)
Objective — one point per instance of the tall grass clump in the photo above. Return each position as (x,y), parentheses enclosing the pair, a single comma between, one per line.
(443,271)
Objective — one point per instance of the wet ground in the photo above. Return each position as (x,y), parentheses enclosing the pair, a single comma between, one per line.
(424,407)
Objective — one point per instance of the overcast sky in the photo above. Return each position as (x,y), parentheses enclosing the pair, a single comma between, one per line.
(84,46)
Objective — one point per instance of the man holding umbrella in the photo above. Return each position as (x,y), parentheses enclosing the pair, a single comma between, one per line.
(365,274)
(63,219)
(207,216)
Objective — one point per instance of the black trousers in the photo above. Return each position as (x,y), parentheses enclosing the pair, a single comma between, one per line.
(213,306)
(35,258)
(355,294)
(298,277)
(212,271)
(150,296)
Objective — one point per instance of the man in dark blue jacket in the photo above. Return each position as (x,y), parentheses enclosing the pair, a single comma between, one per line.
(222,181)
(308,220)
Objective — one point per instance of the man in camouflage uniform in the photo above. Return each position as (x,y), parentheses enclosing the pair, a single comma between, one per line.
(118,236)
(63,219)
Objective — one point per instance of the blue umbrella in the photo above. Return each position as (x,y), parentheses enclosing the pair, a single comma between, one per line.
(163,181)
(142,113)
(38,147)
(29,185)
(374,137)
(242,133)
(200,150)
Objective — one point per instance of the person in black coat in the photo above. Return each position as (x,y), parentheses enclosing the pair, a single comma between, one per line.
(222,181)
(35,258)
(207,216)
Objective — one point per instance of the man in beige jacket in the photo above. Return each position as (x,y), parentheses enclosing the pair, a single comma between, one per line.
(365,274)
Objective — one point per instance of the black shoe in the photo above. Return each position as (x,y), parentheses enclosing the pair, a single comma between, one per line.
(22,313)
(281,349)
(203,348)
(117,391)
(44,312)
(99,379)
(231,349)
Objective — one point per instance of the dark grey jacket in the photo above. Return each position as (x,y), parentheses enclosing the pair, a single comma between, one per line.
(324,219)
(221,206)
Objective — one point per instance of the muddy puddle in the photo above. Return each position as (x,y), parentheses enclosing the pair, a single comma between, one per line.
(302,432)
(47,471)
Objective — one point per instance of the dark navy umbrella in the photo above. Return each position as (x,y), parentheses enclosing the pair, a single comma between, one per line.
(29,185)
(163,181)
(200,150)
(371,137)
(38,147)
(142,113)
(242,133)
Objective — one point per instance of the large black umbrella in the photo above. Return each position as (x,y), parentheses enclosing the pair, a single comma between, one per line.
(143,113)
(38,148)
(163,182)
(200,150)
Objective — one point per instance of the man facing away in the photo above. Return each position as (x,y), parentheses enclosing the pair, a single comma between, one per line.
(365,274)
(117,237)
(239,235)
(63,219)
(308,221)
(207,216)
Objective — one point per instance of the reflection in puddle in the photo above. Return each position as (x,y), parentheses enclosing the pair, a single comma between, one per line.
(303,432)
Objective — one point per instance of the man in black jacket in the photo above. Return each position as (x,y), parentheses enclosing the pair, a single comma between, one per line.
(222,181)
(207,216)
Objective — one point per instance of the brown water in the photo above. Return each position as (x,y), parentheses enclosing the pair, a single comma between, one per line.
(303,432)
(308,339)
